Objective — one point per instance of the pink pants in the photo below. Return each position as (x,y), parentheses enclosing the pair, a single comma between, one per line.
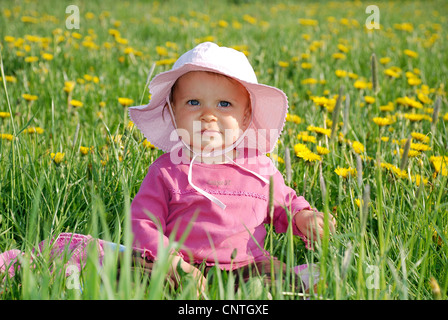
(74,246)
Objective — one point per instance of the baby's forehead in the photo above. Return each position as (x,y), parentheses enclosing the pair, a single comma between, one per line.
(203,76)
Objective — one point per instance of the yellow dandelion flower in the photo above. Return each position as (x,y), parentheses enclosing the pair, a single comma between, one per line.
(6,136)
(319,130)
(76,103)
(382,121)
(445,117)
(293,118)
(391,73)
(57,157)
(358,147)
(414,81)
(338,56)
(416,117)
(248,18)
(9,39)
(29,97)
(69,86)
(306,138)
(223,23)
(28,19)
(308,155)
(125,101)
(420,136)
(424,98)
(420,147)
(406,101)
(411,153)
(31,59)
(76,35)
(385,60)
(306,65)
(322,150)
(369,99)
(300,147)
(85,150)
(148,144)
(342,48)
(283,64)
(341,73)
(440,164)
(345,172)
(418,179)
(11,79)
(360,84)
(387,107)
(161,51)
(47,56)
(410,53)
(405,26)
(37,130)
(308,22)
(327,103)
(165,62)
(4,115)
(309,81)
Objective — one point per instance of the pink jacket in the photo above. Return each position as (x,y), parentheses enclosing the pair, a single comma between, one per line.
(166,199)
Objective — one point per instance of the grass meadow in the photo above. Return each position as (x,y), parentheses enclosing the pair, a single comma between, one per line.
(365,139)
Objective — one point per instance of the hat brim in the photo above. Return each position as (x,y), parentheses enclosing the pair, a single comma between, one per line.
(269,108)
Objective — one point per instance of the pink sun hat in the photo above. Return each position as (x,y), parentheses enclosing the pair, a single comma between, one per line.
(269,104)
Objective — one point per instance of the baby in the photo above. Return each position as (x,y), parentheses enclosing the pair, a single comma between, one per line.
(215,123)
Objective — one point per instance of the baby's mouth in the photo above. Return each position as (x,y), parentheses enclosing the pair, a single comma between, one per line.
(210,133)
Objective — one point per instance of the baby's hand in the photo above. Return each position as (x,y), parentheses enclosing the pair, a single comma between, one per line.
(311,223)
(188,268)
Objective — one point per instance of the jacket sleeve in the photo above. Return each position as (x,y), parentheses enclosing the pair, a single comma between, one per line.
(149,212)
(287,203)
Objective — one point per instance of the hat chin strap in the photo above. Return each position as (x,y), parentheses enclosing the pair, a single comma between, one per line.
(211,155)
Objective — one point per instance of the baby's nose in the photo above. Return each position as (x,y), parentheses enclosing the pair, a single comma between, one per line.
(208,115)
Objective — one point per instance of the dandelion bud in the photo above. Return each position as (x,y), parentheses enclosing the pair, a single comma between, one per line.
(288,165)
(271,197)
(404,157)
(435,288)
(345,114)
(435,114)
(365,205)
(322,183)
(233,255)
(335,116)
(359,169)
(375,83)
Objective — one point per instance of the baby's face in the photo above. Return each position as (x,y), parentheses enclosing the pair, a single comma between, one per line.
(211,111)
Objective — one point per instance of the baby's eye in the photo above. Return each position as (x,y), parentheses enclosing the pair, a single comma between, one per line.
(193,102)
(224,104)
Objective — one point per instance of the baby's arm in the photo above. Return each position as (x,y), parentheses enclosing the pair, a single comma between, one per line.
(178,262)
(312,222)
(307,222)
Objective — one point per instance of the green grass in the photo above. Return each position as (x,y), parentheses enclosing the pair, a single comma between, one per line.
(387,248)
